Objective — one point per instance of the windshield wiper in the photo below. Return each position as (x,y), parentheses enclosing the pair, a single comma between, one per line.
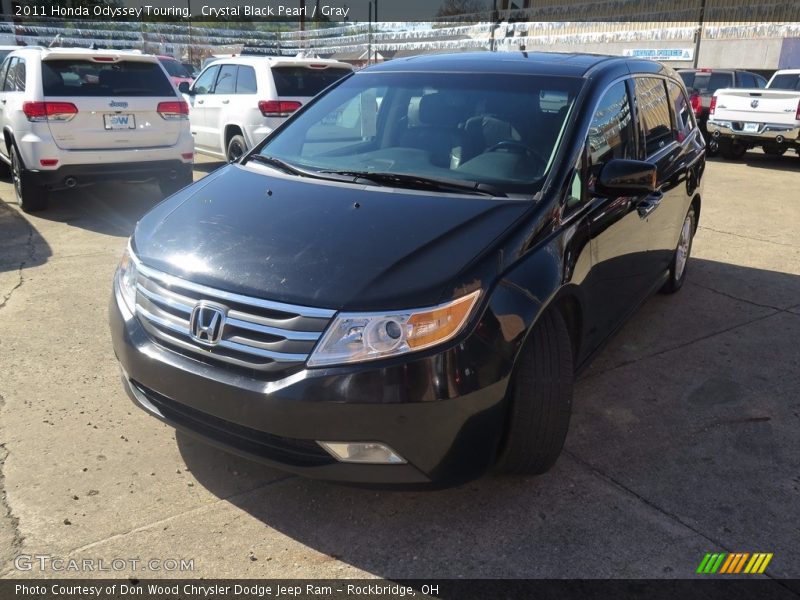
(427,183)
(291,169)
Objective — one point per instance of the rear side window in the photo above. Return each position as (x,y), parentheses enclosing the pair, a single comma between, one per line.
(682,123)
(4,71)
(77,77)
(760,82)
(654,115)
(246,80)
(226,82)
(747,80)
(15,78)
(305,81)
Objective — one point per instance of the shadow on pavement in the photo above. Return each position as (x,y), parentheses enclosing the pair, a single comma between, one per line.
(788,162)
(686,441)
(21,245)
(107,208)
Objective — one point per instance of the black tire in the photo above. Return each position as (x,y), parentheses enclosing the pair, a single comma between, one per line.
(30,197)
(540,397)
(732,150)
(677,275)
(169,185)
(236,148)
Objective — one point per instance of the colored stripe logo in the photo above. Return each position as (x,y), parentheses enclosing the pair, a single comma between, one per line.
(732,563)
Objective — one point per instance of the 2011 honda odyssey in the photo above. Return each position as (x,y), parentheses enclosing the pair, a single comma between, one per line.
(399,284)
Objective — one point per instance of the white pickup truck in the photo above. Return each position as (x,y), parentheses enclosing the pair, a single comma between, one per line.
(740,119)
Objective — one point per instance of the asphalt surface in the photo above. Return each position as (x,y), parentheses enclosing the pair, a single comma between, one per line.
(685,437)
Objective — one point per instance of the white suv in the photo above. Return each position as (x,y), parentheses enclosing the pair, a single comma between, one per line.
(72,116)
(236,102)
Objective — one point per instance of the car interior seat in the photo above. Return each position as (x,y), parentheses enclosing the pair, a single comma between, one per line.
(438,131)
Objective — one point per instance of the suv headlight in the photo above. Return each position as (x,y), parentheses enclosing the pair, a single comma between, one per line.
(126,279)
(358,337)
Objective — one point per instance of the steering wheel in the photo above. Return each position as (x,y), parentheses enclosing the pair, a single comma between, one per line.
(516,148)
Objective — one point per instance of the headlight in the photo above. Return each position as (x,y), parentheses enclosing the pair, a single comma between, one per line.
(357,337)
(126,279)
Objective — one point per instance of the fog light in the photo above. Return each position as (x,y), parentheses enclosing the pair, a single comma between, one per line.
(363,452)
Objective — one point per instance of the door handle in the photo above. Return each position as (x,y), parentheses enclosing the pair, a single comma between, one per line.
(649,204)
(200,101)
(3,100)
(226,101)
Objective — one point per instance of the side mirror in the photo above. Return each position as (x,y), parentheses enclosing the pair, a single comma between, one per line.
(183,88)
(621,177)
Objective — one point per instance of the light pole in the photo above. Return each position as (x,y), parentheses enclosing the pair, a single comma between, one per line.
(699,33)
(369,35)
(191,54)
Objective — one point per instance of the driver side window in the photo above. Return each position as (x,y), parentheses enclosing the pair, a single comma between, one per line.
(612,133)
(205,83)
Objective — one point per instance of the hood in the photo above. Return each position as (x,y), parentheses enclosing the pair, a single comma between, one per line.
(317,243)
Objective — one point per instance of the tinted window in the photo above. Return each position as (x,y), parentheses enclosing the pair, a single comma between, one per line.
(205,83)
(688,78)
(708,83)
(654,115)
(4,71)
(246,80)
(497,129)
(75,77)
(747,80)
(8,83)
(305,81)
(760,82)
(612,133)
(682,123)
(226,81)
(786,81)
(174,68)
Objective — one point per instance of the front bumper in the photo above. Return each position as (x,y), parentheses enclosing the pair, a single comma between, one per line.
(767,132)
(443,413)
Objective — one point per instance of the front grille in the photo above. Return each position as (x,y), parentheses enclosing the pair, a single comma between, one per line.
(261,336)
(290,451)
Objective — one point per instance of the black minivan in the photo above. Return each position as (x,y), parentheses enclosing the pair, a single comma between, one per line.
(399,284)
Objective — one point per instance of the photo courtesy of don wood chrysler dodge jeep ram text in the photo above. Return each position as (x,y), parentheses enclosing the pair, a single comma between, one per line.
(398,285)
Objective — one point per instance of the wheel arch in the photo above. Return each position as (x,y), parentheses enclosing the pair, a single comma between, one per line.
(231,129)
(696,203)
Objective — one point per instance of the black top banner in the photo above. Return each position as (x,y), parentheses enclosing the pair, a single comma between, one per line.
(337,12)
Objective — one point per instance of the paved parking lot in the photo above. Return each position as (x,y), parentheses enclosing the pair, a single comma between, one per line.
(685,436)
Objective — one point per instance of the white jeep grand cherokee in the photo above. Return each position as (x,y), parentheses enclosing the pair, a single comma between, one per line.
(235,102)
(72,116)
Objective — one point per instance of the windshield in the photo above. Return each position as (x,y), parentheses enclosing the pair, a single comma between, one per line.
(498,130)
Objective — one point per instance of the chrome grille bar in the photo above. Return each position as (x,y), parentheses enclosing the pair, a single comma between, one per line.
(275,341)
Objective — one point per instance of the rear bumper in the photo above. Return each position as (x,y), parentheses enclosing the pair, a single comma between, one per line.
(91,173)
(767,132)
